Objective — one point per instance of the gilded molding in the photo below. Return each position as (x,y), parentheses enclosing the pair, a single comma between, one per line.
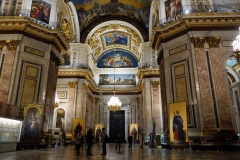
(191,21)
(12,45)
(155,84)
(213,42)
(85,88)
(2,43)
(198,42)
(72,84)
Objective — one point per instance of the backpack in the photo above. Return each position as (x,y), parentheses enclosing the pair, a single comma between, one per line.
(106,138)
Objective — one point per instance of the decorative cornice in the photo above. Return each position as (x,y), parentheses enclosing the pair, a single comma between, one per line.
(213,42)
(12,45)
(30,28)
(198,42)
(2,43)
(72,84)
(155,84)
(193,21)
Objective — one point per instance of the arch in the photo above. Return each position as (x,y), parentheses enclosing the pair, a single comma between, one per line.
(56,117)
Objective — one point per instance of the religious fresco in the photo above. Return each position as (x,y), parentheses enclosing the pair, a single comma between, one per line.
(118,59)
(90,10)
(113,38)
(120,79)
(232,61)
(40,10)
(173,8)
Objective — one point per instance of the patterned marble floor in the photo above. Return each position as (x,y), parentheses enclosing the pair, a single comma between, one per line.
(126,154)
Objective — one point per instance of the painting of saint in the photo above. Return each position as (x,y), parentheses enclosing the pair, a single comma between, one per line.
(60,114)
(40,10)
(177,128)
(32,124)
(116,38)
(134,131)
(117,59)
(173,8)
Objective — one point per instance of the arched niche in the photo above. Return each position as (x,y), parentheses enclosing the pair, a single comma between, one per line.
(58,114)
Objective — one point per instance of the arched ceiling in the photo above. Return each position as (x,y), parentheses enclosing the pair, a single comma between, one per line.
(114,35)
(90,11)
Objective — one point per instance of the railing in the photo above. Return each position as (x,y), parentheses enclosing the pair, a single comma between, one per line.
(27,13)
(149,65)
(187,10)
(7,110)
(77,65)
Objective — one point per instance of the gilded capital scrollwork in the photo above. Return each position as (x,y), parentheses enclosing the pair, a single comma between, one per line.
(142,86)
(155,84)
(213,42)
(72,84)
(2,43)
(85,88)
(12,44)
(198,42)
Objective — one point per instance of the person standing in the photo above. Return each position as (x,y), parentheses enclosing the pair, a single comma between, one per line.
(77,129)
(118,141)
(103,140)
(78,142)
(130,138)
(89,139)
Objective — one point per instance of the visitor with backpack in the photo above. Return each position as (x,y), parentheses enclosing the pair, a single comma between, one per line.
(78,142)
(104,140)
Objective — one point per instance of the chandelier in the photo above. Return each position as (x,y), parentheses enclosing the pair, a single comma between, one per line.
(114,103)
(236,48)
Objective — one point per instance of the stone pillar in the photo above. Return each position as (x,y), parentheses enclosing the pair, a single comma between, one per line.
(148,117)
(70,107)
(93,112)
(96,108)
(204,94)
(220,84)
(133,107)
(101,108)
(79,100)
(89,110)
(156,106)
(7,67)
(84,109)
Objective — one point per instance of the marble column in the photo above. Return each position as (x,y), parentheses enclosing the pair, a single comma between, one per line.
(96,108)
(156,105)
(101,108)
(84,109)
(79,100)
(148,117)
(206,102)
(7,68)
(220,84)
(93,112)
(70,107)
(89,110)
(133,107)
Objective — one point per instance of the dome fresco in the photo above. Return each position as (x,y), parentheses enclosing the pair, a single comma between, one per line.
(232,61)
(90,10)
(117,58)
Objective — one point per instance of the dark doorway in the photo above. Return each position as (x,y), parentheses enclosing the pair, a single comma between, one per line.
(117,124)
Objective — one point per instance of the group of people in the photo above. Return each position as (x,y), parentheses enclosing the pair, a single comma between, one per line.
(89,141)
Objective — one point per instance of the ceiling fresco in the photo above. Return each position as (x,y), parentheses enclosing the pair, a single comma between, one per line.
(114,36)
(91,10)
(117,58)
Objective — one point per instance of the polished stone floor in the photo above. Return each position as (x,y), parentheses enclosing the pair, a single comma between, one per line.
(126,153)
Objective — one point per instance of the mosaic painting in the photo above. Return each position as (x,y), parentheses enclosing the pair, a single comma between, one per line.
(40,10)
(120,79)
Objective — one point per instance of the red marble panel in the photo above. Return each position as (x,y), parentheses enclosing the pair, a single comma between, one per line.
(70,110)
(204,89)
(220,88)
(6,75)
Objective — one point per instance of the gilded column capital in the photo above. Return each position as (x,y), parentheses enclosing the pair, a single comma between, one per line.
(72,84)
(12,44)
(2,43)
(213,42)
(142,86)
(155,84)
(198,42)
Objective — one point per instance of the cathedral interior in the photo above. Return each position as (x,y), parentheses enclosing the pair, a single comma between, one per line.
(167,61)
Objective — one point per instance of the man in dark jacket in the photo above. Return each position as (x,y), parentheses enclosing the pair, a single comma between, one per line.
(89,139)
